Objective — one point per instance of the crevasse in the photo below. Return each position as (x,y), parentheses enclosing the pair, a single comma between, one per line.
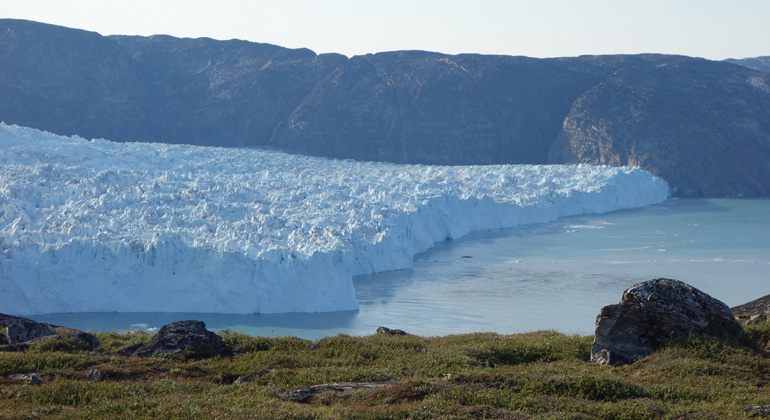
(95,226)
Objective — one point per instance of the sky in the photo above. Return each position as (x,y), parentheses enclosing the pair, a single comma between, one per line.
(713,29)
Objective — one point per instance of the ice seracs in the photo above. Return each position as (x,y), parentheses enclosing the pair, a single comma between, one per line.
(93,226)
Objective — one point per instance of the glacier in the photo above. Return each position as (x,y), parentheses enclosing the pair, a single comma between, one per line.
(99,226)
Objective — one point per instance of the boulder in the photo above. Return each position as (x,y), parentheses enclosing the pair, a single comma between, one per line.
(760,409)
(389,331)
(18,334)
(94,375)
(21,330)
(189,339)
(33,378)
(650,314)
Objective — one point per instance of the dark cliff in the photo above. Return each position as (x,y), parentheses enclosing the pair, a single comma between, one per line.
(702,125)
(419,107)
(71,82)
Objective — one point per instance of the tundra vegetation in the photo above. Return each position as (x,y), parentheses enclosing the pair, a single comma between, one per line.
(538,375)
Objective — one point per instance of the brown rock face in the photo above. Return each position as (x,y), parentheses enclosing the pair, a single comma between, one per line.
(650,314)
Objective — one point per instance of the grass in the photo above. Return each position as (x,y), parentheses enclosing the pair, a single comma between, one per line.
(540,375)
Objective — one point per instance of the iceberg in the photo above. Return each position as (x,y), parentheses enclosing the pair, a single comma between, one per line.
(99,226)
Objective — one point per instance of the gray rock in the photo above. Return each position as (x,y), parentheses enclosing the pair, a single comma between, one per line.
(753,312)
(245,379)
(650,314)
(33,378)
(388,331)
(21,330)
(189,339)
(95,375)
(761,409)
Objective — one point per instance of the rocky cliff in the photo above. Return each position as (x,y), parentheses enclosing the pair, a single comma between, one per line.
(702,125)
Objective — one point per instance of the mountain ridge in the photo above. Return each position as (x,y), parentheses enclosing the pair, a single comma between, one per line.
(702,125)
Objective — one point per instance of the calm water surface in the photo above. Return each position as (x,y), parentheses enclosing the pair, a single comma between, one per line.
(549,276)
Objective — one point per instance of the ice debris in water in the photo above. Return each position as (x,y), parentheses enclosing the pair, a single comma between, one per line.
(96,226)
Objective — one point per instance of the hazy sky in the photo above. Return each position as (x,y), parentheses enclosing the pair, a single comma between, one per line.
(715,29)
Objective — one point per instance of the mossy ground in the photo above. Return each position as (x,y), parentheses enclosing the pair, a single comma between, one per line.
(540,375)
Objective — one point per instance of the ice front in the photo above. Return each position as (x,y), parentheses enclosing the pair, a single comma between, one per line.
(98,226)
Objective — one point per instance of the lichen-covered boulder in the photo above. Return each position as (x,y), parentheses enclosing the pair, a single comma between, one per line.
(18,334)
(21,330)
(650,314)
(189,339)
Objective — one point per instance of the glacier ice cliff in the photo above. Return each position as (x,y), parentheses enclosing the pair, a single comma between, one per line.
(97,226)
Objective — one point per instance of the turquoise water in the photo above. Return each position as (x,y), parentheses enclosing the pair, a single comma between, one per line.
(548,276)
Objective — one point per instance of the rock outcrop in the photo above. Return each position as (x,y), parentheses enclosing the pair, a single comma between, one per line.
(702,125)
(650,314)
(22,330)
(189,339)
(693,122)
(390,331)
(18,334)
(755,311)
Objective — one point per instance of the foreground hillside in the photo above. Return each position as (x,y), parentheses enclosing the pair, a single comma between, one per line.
(542,375)
(702,125)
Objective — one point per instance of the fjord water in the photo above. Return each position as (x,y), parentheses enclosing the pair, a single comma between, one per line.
(546,276)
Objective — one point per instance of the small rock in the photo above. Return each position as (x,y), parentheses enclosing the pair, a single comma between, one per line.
(756,319)
(39,412)
(753,312)
(95,375)
(33,378)
(190,339)
(650,314)
(762,409)
(244,379)
(388,331)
